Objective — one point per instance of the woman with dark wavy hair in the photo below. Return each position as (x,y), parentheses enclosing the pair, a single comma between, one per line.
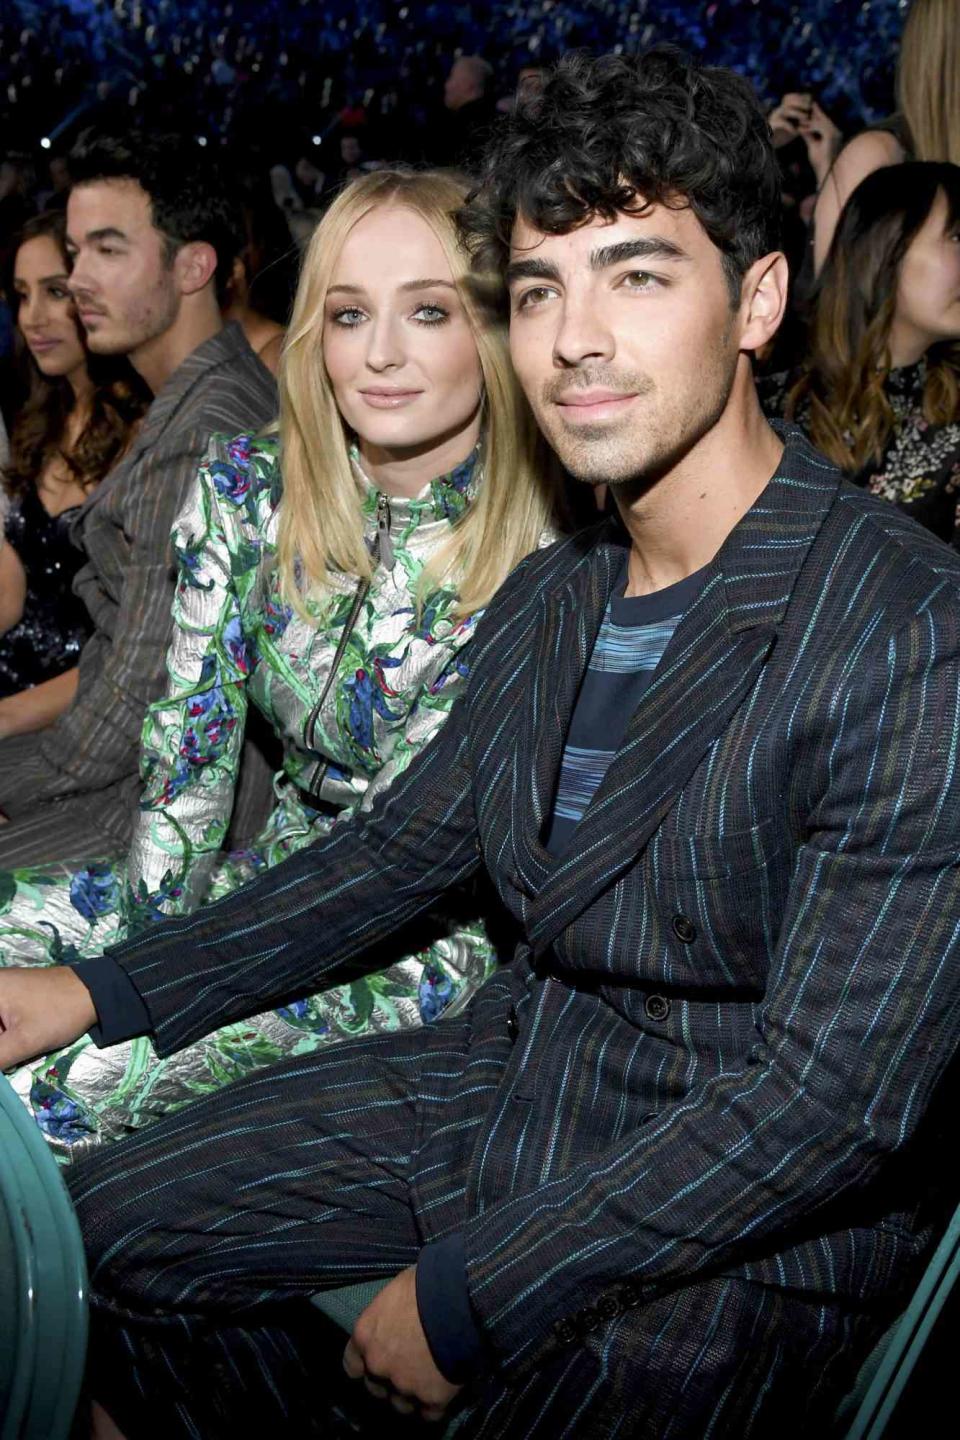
(879,392)
(76,421)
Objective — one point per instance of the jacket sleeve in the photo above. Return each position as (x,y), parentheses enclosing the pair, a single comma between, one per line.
(866,965)
(91,745)
(192,738)
(312,920)
(308,923)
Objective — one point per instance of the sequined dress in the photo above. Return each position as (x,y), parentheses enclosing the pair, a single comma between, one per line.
(353,697)
(54,626)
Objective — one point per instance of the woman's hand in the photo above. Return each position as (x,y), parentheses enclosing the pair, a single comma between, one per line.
(786,118)
(822,139)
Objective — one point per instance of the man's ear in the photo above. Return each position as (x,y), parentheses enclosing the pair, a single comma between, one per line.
(763,300)
(195,264)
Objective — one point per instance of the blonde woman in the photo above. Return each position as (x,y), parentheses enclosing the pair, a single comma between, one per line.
(926,127)
(331,574)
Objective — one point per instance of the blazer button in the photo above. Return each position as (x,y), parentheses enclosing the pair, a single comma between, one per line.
(513,1029)
(565,1331)
(589,1320)
(657,1007)
(684,929)
(608,1307)
(630,1295)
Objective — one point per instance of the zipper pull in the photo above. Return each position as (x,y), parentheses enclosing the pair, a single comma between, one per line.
(384,543)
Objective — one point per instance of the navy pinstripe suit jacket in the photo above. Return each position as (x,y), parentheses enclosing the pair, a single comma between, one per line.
(734,998)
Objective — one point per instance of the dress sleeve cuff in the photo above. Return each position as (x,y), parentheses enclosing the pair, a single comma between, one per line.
(121,1012)
(445,1313)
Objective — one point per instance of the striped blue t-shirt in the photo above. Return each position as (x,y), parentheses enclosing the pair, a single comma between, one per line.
(634,634)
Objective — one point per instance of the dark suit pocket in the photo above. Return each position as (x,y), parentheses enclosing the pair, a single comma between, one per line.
(716,857)
(718,901)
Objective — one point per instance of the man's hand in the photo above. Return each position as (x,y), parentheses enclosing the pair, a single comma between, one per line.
(41,1010)
(389,1352)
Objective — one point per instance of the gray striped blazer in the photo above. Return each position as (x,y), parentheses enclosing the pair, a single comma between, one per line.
(733,1002)
(127,586)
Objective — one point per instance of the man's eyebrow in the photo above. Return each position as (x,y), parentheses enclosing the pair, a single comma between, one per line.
(106,232)
(648,247)
(532,269)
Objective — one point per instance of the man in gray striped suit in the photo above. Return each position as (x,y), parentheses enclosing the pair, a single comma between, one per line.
(153,236)
(676,1165)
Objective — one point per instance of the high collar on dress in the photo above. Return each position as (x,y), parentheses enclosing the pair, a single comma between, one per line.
(445,498)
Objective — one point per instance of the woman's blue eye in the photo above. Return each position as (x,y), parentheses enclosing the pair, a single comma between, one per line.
(431,315)
(349,315)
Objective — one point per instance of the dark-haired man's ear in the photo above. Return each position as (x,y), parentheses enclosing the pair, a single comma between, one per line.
(195,264)
(763,300)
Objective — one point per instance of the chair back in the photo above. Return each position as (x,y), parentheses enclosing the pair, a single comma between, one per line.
(890,1365)
(43,1284)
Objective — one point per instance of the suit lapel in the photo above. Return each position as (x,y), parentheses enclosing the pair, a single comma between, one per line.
(570,620)
(226,345)
(701,680)
(713,660)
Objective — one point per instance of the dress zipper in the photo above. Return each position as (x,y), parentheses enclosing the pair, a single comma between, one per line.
(385,553)
(384,556)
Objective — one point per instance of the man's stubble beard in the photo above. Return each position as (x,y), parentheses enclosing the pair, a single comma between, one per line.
(144,326)
(634,453)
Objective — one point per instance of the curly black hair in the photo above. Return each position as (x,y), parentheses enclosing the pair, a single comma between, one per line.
(189,200)
(616,133)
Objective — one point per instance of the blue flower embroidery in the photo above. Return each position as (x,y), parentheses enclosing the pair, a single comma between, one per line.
(229,482)
(95,891)
(435,992)
(58,1116)
(239,450)
(235,644)
(365,697)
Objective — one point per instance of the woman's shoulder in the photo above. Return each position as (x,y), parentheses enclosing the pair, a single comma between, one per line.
(243,468)
(871,150)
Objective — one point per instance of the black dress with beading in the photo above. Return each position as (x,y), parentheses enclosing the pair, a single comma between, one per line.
(54,625)
(920,467)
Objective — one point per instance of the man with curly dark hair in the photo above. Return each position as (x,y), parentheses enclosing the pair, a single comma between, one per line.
(674,1168)
(634,210)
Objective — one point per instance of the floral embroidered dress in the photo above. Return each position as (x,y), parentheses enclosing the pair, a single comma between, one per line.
(920,469)
(352,698)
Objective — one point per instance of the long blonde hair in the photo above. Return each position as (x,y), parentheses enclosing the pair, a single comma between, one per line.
(928,79)
(321,520)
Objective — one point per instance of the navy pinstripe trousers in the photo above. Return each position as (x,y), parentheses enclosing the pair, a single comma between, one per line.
(206,1233)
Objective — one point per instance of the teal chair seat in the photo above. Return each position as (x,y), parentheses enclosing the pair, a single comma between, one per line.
(43,1285)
